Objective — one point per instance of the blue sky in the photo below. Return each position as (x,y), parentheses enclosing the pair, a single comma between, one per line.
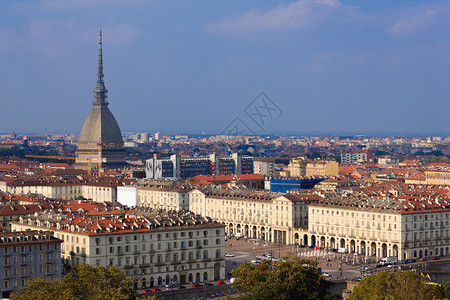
(193,66)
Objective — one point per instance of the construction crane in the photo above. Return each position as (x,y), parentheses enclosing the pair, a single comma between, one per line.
(52,157)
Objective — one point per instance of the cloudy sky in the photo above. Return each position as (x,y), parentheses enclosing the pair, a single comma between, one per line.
(195,66)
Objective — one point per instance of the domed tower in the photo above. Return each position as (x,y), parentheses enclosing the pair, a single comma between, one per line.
(100,144)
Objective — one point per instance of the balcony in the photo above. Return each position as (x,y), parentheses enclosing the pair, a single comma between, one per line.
(151,251)
(119,253)
(144,265)
(206,259)
(160,264)
(219,258)
(191,261)
(129,266)
(176,262)
(168,249)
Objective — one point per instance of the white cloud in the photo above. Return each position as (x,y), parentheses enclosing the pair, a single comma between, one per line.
(415,23)
(295,15)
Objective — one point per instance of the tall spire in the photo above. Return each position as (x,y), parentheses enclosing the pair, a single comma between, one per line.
(100,92)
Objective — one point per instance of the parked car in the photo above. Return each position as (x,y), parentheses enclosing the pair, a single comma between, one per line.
(423,259)
(391,266)
(406,261)
(197,285)
(146,291)
(435,257)
(181,287)
(156,290)
(229,255)
(412,260)
(221,282)
(326,274)
(170,286)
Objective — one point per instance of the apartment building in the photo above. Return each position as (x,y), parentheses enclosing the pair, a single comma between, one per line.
(177,166)
(152,248)
(297,167)
(322,168)
(380,227)
(355,156)
(438,175)
(99,189)
(25,255)
(264,166)
(11,213)
(168,197)
(261,215)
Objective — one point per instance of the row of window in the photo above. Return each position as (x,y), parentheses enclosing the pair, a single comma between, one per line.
(24,271)
(28,259)
(169,245)
(175,257)
(30,248)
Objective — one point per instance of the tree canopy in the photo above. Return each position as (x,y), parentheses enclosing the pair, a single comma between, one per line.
(88,282)
(400,286)
(288,279)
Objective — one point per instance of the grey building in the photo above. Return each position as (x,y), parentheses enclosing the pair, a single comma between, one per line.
(25,255)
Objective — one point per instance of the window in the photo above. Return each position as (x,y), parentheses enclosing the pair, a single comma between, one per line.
(97,250)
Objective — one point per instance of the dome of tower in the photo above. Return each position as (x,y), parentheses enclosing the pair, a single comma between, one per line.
(101,126)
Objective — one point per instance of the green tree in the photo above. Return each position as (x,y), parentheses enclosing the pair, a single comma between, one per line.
(89,282)
(314,155)
(288,279)
(399,286)
(442,291)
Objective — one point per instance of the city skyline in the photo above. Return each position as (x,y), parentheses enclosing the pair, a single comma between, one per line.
(329,66)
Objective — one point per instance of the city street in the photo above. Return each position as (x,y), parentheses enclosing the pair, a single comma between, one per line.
(353,267)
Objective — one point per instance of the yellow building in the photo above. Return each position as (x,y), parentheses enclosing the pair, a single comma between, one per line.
(439,176)
(322,168)
(297,167)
